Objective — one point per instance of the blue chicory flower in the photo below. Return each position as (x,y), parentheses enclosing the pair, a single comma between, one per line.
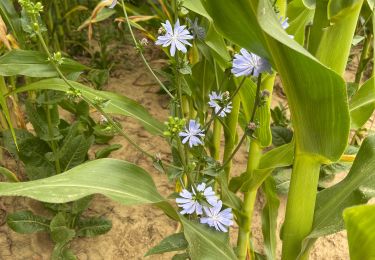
(246,64)
(177,38)
(190,202)
(284,22)
(192,134)
(218,103)
(215,217)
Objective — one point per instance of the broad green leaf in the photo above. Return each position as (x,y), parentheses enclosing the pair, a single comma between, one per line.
(197,7)
(305,80)
(119,180)
(91,227)
(34,64)
(26,222)
(205,242)
(8,140)
(114,103)
(269,217)
(33,153)
(343,17)
(360,225)
(362,104)
(339,7)
(299,17)
(175,242)
(332,201)
(74,148)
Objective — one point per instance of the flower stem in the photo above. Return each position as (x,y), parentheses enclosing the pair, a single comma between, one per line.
(300,206)
(141,53)
(208,124)
(256,105)
(109,119)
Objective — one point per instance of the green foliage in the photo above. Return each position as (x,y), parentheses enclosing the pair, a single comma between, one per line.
(175,242)
(332,201)
(25,222)
(359,222)
(362,104)
(205,243)
(110,102)
(269,218)
(135,187)
(34,64)
(91,227)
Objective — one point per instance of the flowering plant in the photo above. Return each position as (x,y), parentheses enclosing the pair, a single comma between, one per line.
(223,74)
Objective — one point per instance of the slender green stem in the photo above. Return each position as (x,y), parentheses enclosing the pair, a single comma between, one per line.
(216,139)
(300,206)
(243,242)
(256,105)
(363,59)
(50,133)
(110,120)
(141,53)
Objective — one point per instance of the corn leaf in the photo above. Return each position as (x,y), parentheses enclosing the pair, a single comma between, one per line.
(359,222)
(332,201)
(115,103)
(34,64)
(319,130)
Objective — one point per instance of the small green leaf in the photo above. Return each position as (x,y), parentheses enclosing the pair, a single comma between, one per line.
(175,242)
(81,205)
(92,227)
(105,152)
(362,104)
(60,232)
(205,242)
(25,222)
(10,176)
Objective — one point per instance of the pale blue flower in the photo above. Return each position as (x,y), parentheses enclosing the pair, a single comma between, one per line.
(218,103)
(192,134)
(214,217)
(191,202)
(177,38)
(246,64)
(284,23)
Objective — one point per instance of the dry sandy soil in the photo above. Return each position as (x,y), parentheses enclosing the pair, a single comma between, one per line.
(135,229)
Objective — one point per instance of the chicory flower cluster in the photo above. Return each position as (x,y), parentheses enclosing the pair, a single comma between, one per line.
(203,201)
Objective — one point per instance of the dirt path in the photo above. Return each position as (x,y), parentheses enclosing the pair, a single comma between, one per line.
(135,229)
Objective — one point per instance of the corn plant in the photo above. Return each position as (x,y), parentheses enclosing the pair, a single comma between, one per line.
(224,59)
